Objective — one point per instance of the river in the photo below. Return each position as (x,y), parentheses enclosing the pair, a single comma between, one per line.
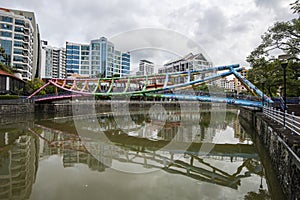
(157,154)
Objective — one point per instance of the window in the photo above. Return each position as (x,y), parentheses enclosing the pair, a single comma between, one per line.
(18,58)
(84,53)
(95,46)
(6,26)
(86,48)
(69,57)
(19,37)
(6,34)
(19,22)
(69,47)
(18,51)
(84,62)
(69,51)
(7,19)
(18,44)
(6,44)
(19,29)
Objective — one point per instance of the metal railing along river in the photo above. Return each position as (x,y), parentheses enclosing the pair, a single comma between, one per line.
(288,121)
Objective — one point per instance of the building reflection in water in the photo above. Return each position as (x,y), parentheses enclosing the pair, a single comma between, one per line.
(136,143)
(19,164)
(140,142)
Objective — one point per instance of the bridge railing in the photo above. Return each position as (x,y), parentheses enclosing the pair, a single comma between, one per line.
(288,121)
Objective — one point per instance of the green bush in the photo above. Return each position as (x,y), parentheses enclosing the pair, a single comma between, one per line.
(9,97)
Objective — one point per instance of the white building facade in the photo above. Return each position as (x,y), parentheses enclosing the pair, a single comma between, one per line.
(19,38)
(145,68)
(53,62)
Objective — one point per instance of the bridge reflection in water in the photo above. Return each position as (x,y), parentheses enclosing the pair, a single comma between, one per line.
(133,145)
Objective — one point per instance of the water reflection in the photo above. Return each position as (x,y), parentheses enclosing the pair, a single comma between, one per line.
(136,147)
(19,162)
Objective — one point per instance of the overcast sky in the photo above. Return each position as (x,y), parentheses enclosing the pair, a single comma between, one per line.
(227,30)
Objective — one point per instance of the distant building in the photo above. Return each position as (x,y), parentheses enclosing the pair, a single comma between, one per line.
(221,82)
(233,85)
(77,59)
(238,86)
(97,59)
(19,36)
(230,86)
(188,62)
(125,64)
(53,62)
(145,68)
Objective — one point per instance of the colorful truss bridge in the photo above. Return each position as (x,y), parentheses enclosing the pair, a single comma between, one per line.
(169,85)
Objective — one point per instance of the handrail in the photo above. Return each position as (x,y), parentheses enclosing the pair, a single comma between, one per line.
(292,122)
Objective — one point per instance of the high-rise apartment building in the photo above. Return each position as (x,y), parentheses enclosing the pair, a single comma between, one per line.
(19,37)
(53,62)
(125,64)
(98,59)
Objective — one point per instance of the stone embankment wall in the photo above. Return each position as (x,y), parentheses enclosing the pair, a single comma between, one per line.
(283,148)
(10,109)
(91,107)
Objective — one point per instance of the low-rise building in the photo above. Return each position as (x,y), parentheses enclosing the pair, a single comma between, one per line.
(10,84)
(146,67)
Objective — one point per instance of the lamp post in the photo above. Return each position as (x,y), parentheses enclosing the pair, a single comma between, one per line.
(284,62)
(263,80)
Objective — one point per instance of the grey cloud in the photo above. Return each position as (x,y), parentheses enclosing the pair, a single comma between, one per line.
(267,3)
(227,30)
(214,23)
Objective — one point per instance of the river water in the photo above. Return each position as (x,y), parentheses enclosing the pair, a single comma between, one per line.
(157,154)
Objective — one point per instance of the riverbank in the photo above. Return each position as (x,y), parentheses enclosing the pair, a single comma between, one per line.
(68,108)
(283,149)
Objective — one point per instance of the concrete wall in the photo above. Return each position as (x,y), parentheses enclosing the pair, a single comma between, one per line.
(280,144)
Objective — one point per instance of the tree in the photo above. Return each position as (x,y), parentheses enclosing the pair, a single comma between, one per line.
(4,61)
(296,6)
(33,85)
(261,195)
(281,38)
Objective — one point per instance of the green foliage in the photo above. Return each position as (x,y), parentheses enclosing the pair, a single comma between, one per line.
(3,67)
(261,195)
(202,88)
(269,78)
(51,89)
(9,97)
(296,6)
(100,75)
(283,38)
(4,58)
(33,85)
(3,61)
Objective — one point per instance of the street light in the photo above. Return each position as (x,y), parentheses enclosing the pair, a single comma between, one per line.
(263,80)
(284,62)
